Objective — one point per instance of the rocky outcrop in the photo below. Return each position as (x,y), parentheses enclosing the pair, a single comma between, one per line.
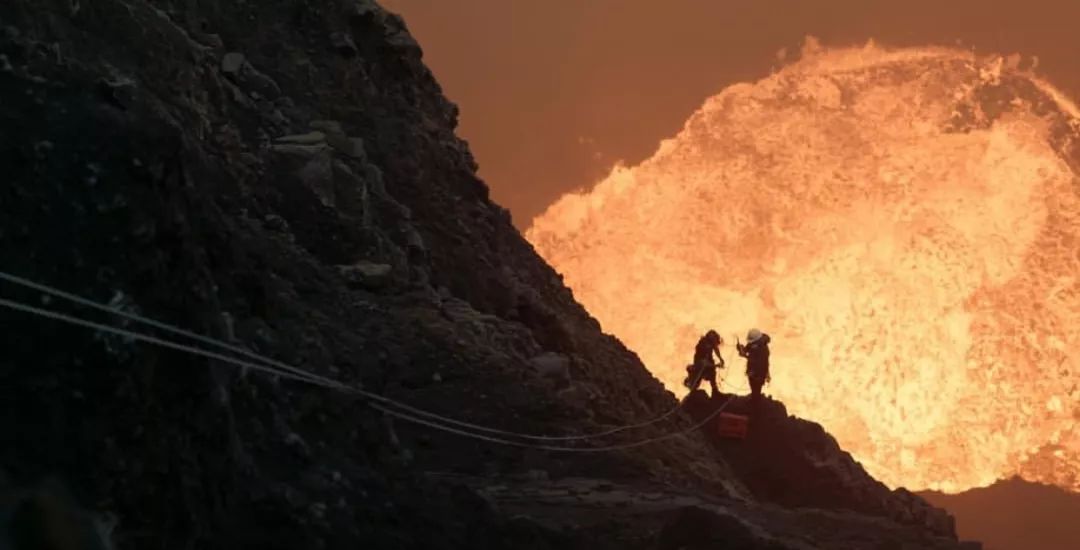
(284,175)
(642,515)
(795,463)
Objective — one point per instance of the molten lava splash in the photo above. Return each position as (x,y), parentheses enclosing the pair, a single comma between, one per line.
(905,224)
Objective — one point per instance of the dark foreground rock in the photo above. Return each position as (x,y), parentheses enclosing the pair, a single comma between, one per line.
(795,463)
(642,515)
(283,175)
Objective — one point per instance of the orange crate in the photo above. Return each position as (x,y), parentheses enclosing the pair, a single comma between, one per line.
(732,425)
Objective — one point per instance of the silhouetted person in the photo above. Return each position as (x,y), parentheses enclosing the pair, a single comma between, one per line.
(756,352)
(704,367)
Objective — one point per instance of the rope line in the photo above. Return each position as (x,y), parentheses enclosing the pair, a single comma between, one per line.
(155,323)
(57,316)
(290,372)
(606,448)
(342,387)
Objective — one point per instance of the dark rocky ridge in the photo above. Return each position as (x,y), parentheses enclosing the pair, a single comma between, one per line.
(284,174)
(795,463)
(1014,514)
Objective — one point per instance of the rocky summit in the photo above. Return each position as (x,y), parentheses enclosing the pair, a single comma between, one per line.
(283,176)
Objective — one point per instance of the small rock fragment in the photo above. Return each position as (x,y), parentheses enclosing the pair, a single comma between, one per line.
(366,274)
(119,92)
(211,40)
(554,366)
(318,176)
(305,151)
(343,43)
(274,222)
(232,63)
(359,10)
(298,445)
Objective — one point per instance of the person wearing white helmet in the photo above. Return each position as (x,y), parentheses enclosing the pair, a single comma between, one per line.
(704,367)
(756,352)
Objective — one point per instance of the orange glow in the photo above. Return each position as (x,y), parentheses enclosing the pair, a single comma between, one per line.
(906,226)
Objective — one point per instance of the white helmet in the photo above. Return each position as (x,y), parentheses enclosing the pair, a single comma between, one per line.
(753,336)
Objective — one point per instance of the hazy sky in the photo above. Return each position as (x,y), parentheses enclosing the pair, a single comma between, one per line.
(552,92)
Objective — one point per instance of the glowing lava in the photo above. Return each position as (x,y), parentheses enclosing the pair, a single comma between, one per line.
(905,224)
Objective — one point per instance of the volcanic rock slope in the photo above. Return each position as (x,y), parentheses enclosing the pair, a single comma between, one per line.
(284,175)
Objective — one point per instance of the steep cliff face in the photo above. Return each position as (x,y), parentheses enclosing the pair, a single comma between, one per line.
(284,175)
